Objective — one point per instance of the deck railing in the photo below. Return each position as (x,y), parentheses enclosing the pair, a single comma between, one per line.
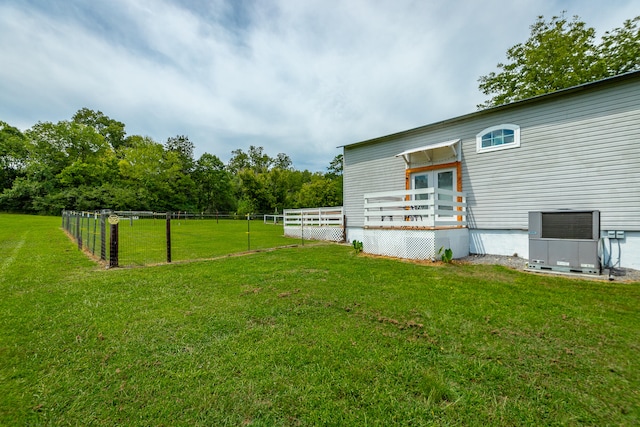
(423,208)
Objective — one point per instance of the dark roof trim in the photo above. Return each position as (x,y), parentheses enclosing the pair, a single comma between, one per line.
(562,92)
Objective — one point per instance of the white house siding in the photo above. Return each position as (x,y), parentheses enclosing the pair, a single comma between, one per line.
(370,168)
(579,150)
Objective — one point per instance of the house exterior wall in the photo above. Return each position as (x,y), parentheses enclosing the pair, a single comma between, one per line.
(369,171)
(579,150)
(373,167)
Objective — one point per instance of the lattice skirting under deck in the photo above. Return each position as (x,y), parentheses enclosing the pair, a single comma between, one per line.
(415,244)
(332,234)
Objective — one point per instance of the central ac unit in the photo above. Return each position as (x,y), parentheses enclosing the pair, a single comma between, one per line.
(565,241)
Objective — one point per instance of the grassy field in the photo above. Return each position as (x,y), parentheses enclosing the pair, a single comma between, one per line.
(312,335)
(143,241)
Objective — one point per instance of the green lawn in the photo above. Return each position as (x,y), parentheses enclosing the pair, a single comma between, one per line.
(197,238)
(143,241)
(312,335)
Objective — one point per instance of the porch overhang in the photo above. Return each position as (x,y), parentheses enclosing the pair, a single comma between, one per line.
(427,150)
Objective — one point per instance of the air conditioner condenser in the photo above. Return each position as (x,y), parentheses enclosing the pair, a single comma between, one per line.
(565,240)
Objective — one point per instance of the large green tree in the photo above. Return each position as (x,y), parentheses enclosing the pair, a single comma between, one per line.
(336,166)
(183,148)
(621,48)
(255,159)
(13,154)
(112,130)
(156,175)
(58,156)
(213,185)
(322,191)
(255,195)
(559,54)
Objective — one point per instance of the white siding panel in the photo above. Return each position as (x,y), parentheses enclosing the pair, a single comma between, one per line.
(578,151)
(382,174)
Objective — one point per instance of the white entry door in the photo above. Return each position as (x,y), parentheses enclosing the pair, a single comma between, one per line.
(444,179)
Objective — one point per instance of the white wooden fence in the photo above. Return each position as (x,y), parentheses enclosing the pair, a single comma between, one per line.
(315,223)
(423,208)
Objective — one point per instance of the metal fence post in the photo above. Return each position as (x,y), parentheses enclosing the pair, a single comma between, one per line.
(95,232)
(88,244)
(113,247)
(168,236)
(78,234)
(103,236)
(248,232)
(344,228)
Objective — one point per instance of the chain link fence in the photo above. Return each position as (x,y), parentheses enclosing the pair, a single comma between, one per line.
(136,238)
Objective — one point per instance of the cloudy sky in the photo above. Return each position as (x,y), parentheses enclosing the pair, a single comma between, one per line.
(300,77)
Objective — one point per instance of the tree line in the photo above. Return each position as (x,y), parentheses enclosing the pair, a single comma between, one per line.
(89,163)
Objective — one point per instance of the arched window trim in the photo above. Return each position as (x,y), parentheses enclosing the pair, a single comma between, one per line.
(514,144)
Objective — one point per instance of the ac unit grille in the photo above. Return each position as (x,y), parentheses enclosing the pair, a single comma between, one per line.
(567,225)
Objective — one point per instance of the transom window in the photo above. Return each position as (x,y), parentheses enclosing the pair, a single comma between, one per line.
(498,138)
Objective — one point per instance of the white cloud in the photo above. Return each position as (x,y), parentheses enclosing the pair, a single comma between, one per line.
(299,77)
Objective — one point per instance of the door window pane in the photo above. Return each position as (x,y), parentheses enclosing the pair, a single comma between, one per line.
(421,181)
(445,182)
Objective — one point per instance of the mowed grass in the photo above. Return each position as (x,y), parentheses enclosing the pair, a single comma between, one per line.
(196,239)
(143,241)
(312,335)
